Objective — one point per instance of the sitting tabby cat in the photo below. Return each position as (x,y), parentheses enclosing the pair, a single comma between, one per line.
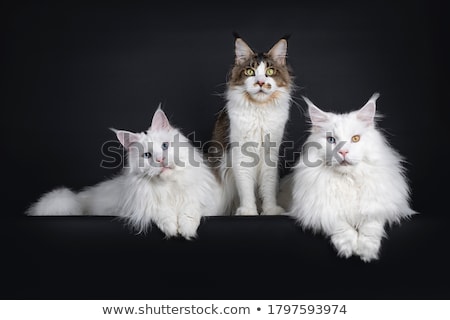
(249,129)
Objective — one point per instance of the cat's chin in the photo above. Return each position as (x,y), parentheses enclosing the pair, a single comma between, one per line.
(169,172)
(344,166)
(166,172)
(261,96)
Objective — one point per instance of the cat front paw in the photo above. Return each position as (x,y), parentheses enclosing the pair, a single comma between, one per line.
(345,242)
(168,227)
(368,248)
(244,211)
(188,225)
(273,211)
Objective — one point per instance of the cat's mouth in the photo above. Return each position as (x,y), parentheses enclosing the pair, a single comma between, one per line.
(345,163)
(166,168)
(264,90)
(261,96)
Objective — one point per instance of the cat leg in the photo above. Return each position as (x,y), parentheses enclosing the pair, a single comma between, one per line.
(369,241)
(345,239)
(167,222)
(189,220)
(245,184)
(268,187)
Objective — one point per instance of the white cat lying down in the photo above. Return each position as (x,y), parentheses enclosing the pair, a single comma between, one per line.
(348,182)
(166,182)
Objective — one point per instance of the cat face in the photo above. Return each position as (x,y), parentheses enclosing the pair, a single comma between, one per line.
(260,76)
(156,152)
(344,139)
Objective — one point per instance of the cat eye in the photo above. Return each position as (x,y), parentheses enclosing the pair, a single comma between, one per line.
(147,155)
(165,145)
(249,72)
(270,71)
(331,140)
(356,138)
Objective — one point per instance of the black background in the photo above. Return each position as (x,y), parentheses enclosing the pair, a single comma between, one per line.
(71,71)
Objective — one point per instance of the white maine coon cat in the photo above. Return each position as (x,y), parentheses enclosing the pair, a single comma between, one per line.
(250,128)
(166,182)
(348,182)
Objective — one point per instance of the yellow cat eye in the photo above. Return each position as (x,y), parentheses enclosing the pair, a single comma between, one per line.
(249,72)
(270,71)
(356,138)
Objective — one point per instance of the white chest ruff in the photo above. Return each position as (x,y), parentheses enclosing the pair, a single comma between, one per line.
(257,123)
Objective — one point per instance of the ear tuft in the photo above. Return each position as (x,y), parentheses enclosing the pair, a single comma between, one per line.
(286,36)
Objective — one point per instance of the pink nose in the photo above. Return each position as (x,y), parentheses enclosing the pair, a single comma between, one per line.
(343,153)
(261,83)
(159,159)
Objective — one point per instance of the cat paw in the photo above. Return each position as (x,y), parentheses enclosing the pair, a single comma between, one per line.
(244,211)
(273,211)
(368,248)
(345,242)
(169,228)
(187,226)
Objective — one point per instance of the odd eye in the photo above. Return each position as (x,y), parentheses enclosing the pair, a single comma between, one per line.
(356,138)
(165,145)
(249,72)
(147,155)
(270,71)
(331,140)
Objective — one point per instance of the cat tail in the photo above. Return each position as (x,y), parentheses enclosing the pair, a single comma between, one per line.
(58,202)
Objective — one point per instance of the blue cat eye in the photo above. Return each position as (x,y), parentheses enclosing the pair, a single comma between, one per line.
(331,140)
(165,145)
(147,155)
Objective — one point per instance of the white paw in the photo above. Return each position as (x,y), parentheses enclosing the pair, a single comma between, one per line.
(244,211)
(368,248)
(169,227)
(273,211)
(188,225)
(345,242)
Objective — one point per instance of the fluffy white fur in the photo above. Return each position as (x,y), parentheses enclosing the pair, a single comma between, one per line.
(345,187)
(173,187)
(255,112)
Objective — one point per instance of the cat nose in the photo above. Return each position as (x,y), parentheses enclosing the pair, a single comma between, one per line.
(260,82)
(343,153)
(160,159)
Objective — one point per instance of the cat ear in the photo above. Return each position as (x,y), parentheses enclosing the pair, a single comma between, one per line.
(160,120)
(317,116)
(367,113)
(126,138)
(279,51)
(242,51)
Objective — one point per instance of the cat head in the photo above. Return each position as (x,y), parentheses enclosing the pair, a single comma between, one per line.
(342,141)
(160,151)
(260,77)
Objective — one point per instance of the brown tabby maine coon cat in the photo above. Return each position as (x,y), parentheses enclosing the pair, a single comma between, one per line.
(249,129)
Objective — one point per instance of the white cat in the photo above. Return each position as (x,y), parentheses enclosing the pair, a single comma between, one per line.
(348,182)
(166,182)
(249,130)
